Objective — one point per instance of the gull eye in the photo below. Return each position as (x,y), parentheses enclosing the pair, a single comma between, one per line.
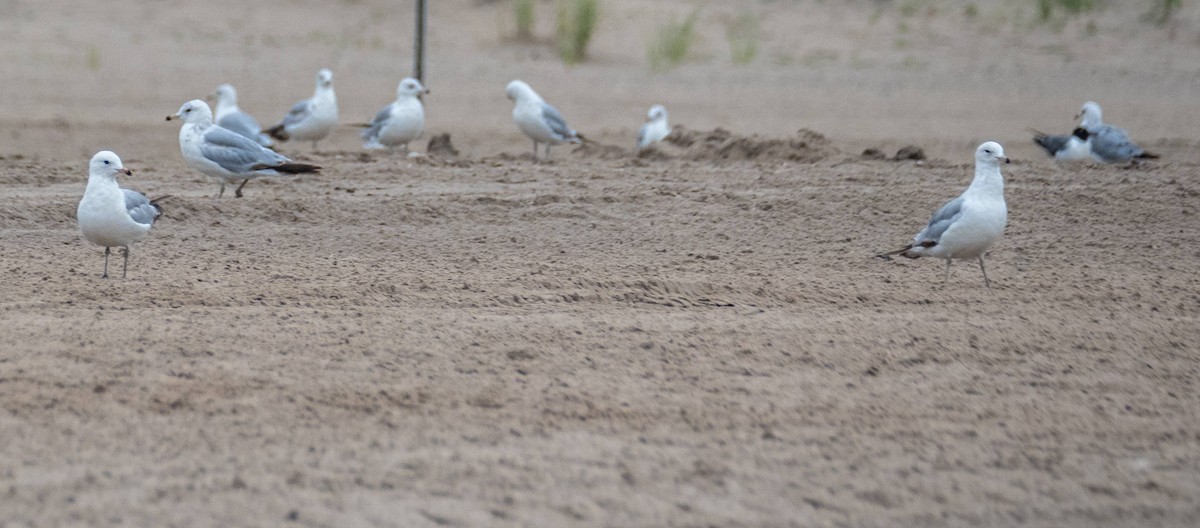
(106,162)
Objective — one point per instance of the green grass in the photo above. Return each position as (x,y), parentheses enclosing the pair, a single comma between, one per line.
(671,44)
(1047,8)
(743,35)
(577,20)
(1162,10)
(523,14)
(93,58)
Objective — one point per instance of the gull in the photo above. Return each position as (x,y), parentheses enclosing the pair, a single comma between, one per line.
(311,119)
(1074,147)
(966,226)
(1108,143)
(538,120)
(229,116)
(218,152)
(655,128)
(401,121)
(110,216)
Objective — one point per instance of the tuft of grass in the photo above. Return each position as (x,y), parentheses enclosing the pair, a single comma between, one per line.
(523,13)
(577,21)
(1161,11)
(93,58)
(1047,8)
(971,11)
(743,35)
(672,42)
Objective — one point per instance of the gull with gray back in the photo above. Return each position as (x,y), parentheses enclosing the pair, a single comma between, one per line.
(230,157)
(967,226)
(109,216)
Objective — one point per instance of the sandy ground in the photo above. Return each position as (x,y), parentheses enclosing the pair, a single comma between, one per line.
(695,338)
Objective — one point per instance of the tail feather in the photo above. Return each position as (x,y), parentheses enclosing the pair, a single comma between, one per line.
(277,132)
(888,255)
(1147,155)
(156,203)
(1051,144)
(296,168)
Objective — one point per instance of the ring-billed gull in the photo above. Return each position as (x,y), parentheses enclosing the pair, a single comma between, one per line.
(966,226)
(311,119)
(655,128)
(1109,144)
(1074,147)
(538,120)
(110,216)
(229,116)
(222,154)
(401,121)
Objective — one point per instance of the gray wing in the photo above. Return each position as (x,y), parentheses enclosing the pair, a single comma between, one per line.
(242,123)
(381,118)
(299,112)
(236,153)
(941,221)
(1112,145)
(139,207)
(1052,144)
(557,124)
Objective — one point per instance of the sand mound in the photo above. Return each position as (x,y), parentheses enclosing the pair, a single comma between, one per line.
(722,145)
(718,145)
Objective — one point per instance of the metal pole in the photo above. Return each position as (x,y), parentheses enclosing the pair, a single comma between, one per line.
(419,45)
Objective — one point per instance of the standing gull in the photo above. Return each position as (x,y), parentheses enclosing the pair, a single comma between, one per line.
(1108,143)
(311,119)
(1074,147)
(401,121)
(538,120)
(655,128)
(110,216)
(225,155)
(230,117)
(966,226)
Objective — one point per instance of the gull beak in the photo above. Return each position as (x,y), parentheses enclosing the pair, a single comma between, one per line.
(1007,160)
(125,171)
(172,116)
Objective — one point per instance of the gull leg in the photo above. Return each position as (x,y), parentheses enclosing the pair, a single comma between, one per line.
(105,275)
(547,151)
(125,267)
(238,192)
(986,282)
(222,191)
(946,278)
(535,152)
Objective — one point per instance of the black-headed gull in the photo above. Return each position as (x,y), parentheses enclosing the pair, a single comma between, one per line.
(1073,147)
